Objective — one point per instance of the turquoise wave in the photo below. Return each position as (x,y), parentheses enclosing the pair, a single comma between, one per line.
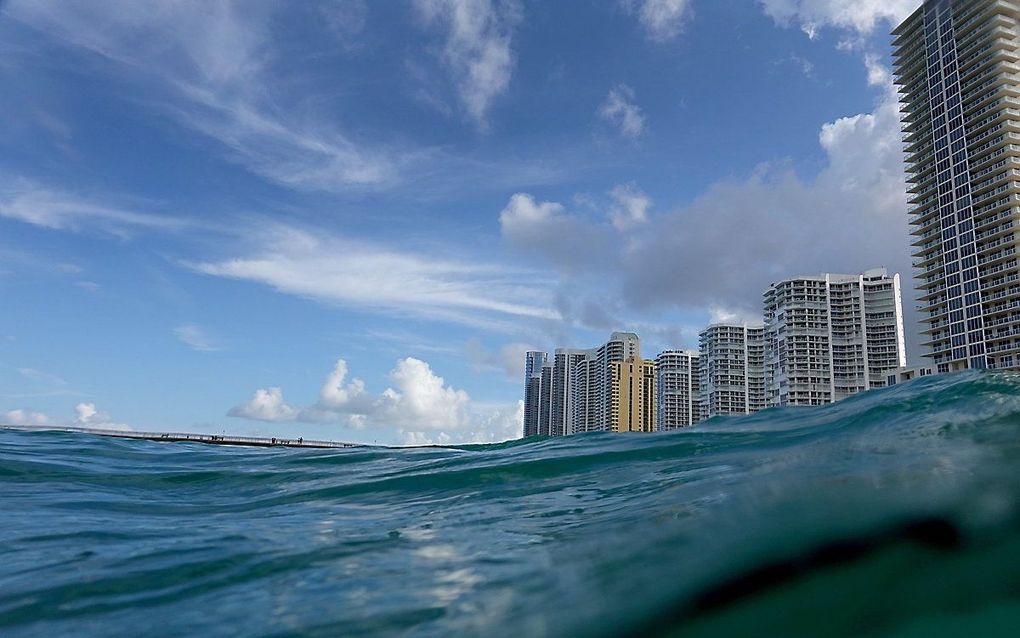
(891,513)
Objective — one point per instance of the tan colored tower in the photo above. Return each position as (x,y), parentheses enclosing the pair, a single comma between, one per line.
(632,396)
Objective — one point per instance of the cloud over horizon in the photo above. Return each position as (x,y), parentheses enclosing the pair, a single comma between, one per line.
(419,405)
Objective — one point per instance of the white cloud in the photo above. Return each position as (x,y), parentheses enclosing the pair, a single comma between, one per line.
(662,20)
(266,405)
(33,203)
(195,338)
(857,16)
(43,377)
(722,249)
(418,398)
(547,230)
(502,424)
(25,417)
(630,207)
(88,416)
(478,48)
(509,358)
(338,270)
(417,401)
(620,110)
(210,64)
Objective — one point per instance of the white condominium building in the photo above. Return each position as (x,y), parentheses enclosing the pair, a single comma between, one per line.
(731,370)
(956,65)
(571,392)
(592,381)
(830,336)
(676,399)
(561,406)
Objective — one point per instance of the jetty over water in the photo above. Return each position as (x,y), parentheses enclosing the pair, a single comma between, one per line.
(185,437)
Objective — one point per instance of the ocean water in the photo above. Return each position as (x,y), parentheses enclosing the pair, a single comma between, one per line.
(893,513)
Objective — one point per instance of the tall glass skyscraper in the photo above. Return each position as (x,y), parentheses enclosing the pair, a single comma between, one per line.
(956,67)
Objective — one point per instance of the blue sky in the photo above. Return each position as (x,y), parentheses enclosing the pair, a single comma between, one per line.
(348,220)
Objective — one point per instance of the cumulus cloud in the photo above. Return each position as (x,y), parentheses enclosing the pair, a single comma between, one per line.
(478,48)
(338,270)
(860,16)
(630,207)
(498,425)
(86,415)
(267,404)
(193,336)
(722,249)
(418,400)
(662,20)
(546,230)
(26,417)
(620,110)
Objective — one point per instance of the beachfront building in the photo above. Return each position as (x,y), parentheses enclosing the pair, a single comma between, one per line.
(571,392)
(830,336)
(676,390)
(561,407)
(731,366)
(956,66)
(902,375)
(533,364)
(592,381)
(632,396)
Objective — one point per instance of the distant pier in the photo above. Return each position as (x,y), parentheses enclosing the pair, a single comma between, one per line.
(186,437)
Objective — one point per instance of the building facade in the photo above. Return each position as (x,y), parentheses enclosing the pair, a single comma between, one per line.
(731,366)
(572,391)
(533,363)
(956,64)
(592,381)
(561,405)
(676,390)
(632,396)
(830,336)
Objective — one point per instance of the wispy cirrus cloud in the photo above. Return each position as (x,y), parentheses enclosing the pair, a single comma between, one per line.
(477,49)
(662,20)
(42,205)
(195,337)
(335,269)
(621,110)
(210,66)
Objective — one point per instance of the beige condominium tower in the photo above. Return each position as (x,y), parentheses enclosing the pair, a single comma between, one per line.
(632,396)
(957,64)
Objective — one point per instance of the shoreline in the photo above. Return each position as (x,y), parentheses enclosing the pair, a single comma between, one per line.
(186,437)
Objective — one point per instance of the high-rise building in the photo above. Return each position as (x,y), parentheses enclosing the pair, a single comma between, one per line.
(830,336)
(561,406)
(592,382)
(676,390)
(533,363)
(956,64)
(632,395)
(731,366)
(570,392)
(545,399)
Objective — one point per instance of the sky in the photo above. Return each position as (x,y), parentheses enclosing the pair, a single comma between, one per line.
(349,220)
